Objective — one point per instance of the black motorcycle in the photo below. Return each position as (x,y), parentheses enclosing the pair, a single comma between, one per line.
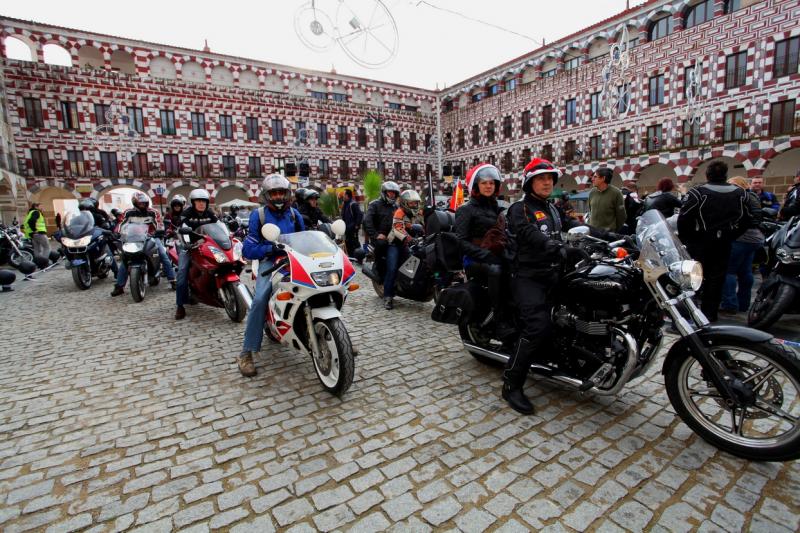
(140,256)
(778,294)
(13,248)
(736,387)
(85,249)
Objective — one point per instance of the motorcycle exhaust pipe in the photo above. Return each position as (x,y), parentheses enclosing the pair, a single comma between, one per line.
(244,291)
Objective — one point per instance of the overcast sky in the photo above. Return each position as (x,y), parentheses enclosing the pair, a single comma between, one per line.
(434,46)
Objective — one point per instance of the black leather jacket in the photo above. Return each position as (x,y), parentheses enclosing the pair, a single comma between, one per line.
(473,220)
(791,205)
(665,202)
(312,215)
(194,219)
(379,218)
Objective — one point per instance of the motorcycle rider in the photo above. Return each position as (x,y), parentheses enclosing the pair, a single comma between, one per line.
(791,205)
(312,215)
(141,212)
(474,219)
(537,226)
(276,210)
(101,221)
(378,224)
(172,220)
(406,215)
(299,197)
(197,214)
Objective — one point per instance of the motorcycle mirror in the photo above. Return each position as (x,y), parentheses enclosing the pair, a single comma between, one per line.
(338,227)
(271,232)
(577,233)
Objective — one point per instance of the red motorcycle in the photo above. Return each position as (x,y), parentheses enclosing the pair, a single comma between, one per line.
(216,262)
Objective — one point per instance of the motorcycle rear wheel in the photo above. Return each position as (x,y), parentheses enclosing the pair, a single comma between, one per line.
(471,334)
(138,283)
(770,306)
(378,288)
(235,305)
(767,430)
(82,276)
(335,364)
(17,258)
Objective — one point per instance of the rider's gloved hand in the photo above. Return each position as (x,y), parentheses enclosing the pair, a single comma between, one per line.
(573,255)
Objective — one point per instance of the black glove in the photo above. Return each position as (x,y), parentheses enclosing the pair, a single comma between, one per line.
(611,236)
(573,255)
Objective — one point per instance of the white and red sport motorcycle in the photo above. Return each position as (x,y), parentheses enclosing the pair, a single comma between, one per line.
(309,287)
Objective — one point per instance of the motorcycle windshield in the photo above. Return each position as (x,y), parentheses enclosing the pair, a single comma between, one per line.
(659,246)
(134,232)
(218,232)
(78,225)
(309,243)
(791,234)
(243,217)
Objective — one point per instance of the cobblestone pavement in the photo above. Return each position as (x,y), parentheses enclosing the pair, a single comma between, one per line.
(115,417)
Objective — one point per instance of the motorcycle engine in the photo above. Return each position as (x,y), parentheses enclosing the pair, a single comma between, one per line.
(583,343)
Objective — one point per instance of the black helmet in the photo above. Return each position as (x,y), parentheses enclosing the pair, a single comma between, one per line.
(115,212)
(85,205)
(311,193)
(178,199)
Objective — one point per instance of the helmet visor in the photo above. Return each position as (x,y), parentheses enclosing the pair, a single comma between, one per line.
(487,173)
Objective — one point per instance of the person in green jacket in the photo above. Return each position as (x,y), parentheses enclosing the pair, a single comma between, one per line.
(35,229)
(606,203)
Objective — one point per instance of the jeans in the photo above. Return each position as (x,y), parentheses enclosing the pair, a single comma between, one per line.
(351,241)
(393,255)
(256,316)
(182,288)
(41,245)
(740,268)
(166,266)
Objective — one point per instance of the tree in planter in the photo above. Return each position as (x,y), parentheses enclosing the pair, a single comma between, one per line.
(372,186)
(329,204)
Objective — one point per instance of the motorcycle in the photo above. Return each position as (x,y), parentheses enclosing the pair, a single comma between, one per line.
(310,284)
(735,387)
(13,248)
(85,249)
(140,256)
(778,293)
(216,263)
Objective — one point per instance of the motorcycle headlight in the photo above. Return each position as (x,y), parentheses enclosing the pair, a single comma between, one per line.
(787,256)
(76,243)
(133,247)
(219,255)
(237,251)
(327,278)
(687,274)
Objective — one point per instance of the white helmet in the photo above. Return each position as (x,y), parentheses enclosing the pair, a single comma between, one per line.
(275,182)
(389,186)
(409,197)
(199,194)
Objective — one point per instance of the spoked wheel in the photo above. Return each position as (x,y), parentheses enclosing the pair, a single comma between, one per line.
(770,306)
(378,288)
(472,334)
(235,305)
(138,283)
(17,258)
(334,364)
(82,276)
(764,424)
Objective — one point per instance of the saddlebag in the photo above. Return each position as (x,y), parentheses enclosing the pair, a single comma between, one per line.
(455,305)
(443,253)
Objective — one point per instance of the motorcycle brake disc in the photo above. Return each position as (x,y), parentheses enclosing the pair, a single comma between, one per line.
(771,392)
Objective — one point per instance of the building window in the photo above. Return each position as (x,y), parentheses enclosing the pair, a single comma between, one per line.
(136,119)
(547,117)
(661,27)
(252,128)
(225,127)
(412,141)
(476,135)
(510,85)
(623,143)
(398,140)
(781,117)
(447,105)
(477,97)
(526,122)
(732,5)
(569,151)
(427,141)
(108,164)
(411,108)
(254,167)
(69,115)
(319,95)
(300,132)
(656,90)
(490,131)
(76,165)
(168,122)
(172,166)
(362,168)
(414,171)
(279,165)
(687,78)
(324,168)
(786,56)
(595,147)
(33,112)
(570,114)
(572,63)
(338,97)
(201,166)
(736,70)
(462,141)
(277,130)
(699,13)
(624,92)
(398,170)
(691,133)
(507,127)
(549,73)
(198,125)
(395,105)
(344,169)
(494,90)
(228,166)
(525,157)
(341,135)
(654,138)
(140,166)
(733,125)
(448,142)
(362,137)
(547,152)
(101,112)
(595,106)
(322,134)
(41,162)
(379,140)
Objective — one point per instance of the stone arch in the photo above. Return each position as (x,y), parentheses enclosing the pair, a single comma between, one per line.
(572,53)
(358,96)
(249,80)
(194,72)
(162,67)
(425,106)
(549,63)
(123,62)
(55,54)
(319,86)
(228,191)
(529,74)
(463,100)
(55,199)
(13,198)
(598,48)
(103,193)
(780,170)
(297,87)
(376,99)
(19,48)
(735,168)
(633,33)
(183,188)
(273,83)
(222,76)
(650,175)
(90,58)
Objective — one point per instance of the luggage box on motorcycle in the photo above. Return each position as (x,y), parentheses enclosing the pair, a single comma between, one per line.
(454,306)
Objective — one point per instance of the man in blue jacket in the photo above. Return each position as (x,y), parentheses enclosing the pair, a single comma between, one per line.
(276,210)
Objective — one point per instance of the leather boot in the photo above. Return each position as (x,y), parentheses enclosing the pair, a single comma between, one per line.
(514,378)
(388,303)
(117,291)
(516,399)
(246,365)
(180,313)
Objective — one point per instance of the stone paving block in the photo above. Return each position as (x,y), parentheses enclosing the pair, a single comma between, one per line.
(292,511)
(333,518)
(632,515)
(370,523)
(401,506)
(262,524)
(365,501)
(194,513)
(235,497)
(539,511)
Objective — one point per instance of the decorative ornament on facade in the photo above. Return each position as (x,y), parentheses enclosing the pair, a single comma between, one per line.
(695,105)
(301,155)
(116,133)
(364,29)
(615,98)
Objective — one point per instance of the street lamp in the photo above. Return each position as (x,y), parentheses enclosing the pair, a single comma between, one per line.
(381,124)
(159,190)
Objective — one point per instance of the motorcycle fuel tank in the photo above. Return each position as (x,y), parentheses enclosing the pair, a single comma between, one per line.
(600,286)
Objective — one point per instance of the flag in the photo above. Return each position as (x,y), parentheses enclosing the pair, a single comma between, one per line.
(458,196)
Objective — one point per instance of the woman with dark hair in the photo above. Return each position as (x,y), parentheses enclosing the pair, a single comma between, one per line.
(663,199)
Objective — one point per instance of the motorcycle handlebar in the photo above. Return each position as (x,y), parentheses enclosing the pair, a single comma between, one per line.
(278,264)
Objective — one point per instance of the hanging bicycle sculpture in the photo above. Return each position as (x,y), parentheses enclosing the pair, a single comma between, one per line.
(116,133)
(615,99)
(695,106)
(364,29)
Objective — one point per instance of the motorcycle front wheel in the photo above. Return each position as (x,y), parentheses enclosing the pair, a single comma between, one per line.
(766,428)
(82,276)
(770,305)
(335,364)
(138,283)
(235,305)
(17,258)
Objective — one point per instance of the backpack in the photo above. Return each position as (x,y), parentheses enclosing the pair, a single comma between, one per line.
(262,215)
